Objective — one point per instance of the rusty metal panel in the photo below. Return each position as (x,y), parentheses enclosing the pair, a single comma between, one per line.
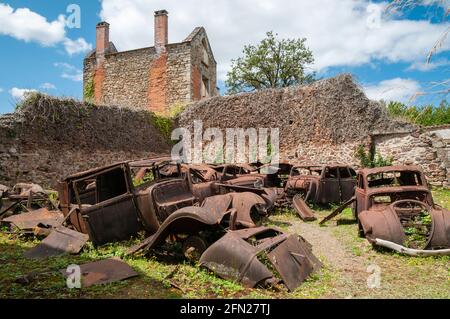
(113,220)
(303,209)
(347,188)
(104,272)
(60,241)
(33,219)
(382,225)
(294,261)
(441,229)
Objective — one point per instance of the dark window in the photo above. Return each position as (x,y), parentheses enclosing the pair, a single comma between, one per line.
(111,184)
(331,172)
(344,173)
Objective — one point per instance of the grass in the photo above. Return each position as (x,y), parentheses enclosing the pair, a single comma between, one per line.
(345,257)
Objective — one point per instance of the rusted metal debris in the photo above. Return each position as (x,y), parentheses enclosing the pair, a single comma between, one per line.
(24,197)
(392,203)
(109,205)
(303,209)
(217,213)
(61,241)
(40,217)
(103,272)
(244,256)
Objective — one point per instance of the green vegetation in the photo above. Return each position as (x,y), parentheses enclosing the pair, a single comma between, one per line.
(148,177)
(421,115)
(176,109)
(89,90)
(163,124)
(30,97)
(272,63)
(371,158)
(345,257)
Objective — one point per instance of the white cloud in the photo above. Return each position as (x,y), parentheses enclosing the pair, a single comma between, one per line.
(47,86)
(338,31)
(424,66)
(77,46)
(397,89)
(69,71)
(1,90)
(19,94)
(26,25)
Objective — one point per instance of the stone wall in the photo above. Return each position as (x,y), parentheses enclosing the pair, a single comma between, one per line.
(144,79)
(427,147)
(49,139)
(323,123)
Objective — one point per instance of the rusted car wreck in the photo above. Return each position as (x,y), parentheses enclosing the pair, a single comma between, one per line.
(198,206)
(395,209)
(319,184)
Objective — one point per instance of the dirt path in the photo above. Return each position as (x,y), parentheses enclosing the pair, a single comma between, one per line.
(350,270)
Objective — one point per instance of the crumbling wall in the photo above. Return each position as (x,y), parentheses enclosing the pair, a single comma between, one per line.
(319,123)
(49,138)
(427,147)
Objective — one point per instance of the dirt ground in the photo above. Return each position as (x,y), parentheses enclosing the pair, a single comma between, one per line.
(345,274)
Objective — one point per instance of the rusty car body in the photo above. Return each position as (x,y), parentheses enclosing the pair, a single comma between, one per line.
(393,204)
(322,184)
(244,256)
(106,204)
(117,201)
(196,227)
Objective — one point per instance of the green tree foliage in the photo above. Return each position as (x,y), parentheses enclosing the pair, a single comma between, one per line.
(272,63)
(371,158)
(421,115)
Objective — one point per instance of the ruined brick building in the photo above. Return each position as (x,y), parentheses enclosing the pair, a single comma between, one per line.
(153,78)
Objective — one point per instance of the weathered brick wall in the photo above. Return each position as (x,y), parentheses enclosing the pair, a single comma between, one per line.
(200,68)
(178,74)
(147,80)
(50,139)
(428,148)
(323,123)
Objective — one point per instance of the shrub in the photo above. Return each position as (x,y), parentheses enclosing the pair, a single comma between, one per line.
(371,158)
(421,115)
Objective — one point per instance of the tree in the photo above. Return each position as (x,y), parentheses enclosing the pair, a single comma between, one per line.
(272,63)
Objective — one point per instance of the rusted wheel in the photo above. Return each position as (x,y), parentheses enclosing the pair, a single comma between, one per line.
(193,247)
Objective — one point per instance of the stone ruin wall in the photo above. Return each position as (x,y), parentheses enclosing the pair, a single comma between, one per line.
(324,123)
(142,79)
(320,123)
(45,148)
(428,148)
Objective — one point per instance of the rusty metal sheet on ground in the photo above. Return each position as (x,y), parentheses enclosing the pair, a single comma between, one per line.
(33,219)
(303,209)
(60,241)
(294,261)
(104,271)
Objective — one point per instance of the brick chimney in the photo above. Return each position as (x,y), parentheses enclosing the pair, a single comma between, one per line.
(102,39)
(161,30)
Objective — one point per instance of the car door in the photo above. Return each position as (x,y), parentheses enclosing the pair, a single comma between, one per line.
(347,183)
(329,186)
(114,216)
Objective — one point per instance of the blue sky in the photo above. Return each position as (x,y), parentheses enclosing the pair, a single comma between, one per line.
(385,52)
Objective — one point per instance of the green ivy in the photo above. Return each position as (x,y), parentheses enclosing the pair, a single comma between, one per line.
(163,124)
(371,158)
(89,90)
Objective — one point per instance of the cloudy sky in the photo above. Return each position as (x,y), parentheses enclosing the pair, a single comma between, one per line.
(42,46)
